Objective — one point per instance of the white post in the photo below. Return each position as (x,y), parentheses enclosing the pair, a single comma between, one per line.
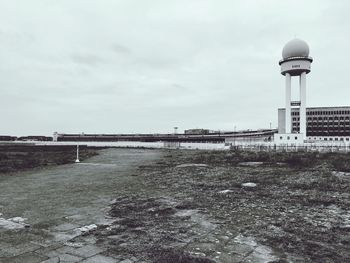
(77,160)
(288,107)
(302,113)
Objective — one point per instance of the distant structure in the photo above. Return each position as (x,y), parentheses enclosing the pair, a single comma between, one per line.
(196,135)
(295,63)
(197,131)
(322,123)
(55,136)
(7,138)
(250,137)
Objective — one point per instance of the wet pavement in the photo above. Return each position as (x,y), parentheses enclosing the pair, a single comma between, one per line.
(56,204)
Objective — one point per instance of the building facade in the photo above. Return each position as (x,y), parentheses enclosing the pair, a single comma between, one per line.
(322,123)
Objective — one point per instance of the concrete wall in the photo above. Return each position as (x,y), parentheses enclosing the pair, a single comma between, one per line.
(281,121)
(289,138)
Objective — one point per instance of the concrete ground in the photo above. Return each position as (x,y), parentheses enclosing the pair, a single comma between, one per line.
(56,204)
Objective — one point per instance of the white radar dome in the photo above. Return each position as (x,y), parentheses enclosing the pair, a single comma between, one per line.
(295,48)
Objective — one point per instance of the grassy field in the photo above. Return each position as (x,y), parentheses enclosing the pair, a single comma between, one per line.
(194,206)
(19,157)
(211,206)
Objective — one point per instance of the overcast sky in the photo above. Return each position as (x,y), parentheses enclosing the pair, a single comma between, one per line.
(109,66)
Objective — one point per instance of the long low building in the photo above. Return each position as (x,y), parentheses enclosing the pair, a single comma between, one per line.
(219,137)
(322,123)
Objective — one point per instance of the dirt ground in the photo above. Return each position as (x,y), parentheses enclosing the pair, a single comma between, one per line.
(196,206)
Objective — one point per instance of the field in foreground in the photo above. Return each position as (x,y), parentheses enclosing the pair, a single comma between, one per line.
(134,205)
(197,207)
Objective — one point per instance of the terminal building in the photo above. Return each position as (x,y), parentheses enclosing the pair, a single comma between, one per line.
(322,123)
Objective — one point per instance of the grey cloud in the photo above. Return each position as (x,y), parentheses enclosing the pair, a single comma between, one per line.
(146,66)
(120,49)
(86,59)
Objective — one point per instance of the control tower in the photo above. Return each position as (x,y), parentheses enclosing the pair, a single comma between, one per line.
(295,63)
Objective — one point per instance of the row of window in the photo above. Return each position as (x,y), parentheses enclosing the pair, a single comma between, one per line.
(327,134)
(323,118)
(336,139)
(327,128)
(331,125)
(323,132)
(337,112)
(332,139)
(326,125)
(327,131)
(288,138)
(328,118)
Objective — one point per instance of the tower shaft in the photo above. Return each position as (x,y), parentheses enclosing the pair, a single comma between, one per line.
(288,106)
(302,112)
